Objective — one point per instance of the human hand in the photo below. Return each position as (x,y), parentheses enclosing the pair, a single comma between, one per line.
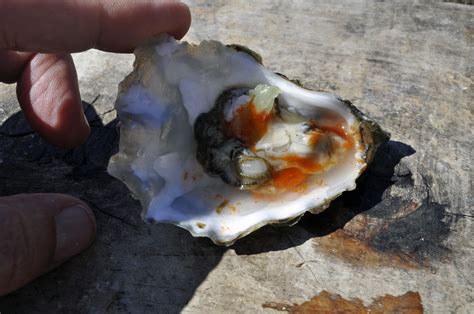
(40,231)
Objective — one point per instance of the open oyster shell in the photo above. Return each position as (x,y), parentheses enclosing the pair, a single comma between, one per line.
(172,84)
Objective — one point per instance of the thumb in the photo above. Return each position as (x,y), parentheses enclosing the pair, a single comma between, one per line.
(38,232)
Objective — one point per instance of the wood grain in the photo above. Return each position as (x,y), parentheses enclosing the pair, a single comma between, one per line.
(409,65)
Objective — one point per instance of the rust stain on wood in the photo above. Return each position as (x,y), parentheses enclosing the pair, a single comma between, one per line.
(404,211)
(325,302)
(369,227)
(343,246)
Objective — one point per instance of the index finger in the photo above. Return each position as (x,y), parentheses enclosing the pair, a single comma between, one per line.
(72,26)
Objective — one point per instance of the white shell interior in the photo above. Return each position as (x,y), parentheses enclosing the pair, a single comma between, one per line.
(172,84)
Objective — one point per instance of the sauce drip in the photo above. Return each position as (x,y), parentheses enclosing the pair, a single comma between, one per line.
(249,125)
(298,169)
(340,130)
(307,164)
(314,138)
(288,178)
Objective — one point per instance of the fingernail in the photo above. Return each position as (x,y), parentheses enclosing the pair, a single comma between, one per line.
(75,231)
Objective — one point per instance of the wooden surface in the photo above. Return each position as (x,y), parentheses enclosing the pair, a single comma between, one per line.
(405,231)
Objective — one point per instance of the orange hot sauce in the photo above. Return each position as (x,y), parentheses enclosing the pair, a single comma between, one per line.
(287,179)
(304,163)
(248,125)
(340,130)
(314,138)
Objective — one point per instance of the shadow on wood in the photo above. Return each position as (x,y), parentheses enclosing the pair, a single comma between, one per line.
(132,265)
(401,226)
(370,190)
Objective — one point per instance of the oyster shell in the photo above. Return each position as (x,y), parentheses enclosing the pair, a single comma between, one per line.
(175,110)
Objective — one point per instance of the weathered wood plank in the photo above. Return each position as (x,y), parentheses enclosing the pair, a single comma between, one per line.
(407,227)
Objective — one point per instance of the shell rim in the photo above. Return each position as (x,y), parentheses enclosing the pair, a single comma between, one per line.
(372,136)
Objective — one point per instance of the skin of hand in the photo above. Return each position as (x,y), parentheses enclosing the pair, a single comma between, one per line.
(38,232)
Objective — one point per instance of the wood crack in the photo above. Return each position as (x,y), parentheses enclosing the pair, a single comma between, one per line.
(301,256)
(133,226)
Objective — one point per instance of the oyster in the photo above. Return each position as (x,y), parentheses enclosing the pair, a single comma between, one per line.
(215,143)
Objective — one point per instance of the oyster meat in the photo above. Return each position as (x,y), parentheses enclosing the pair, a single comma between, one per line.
(214,142)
